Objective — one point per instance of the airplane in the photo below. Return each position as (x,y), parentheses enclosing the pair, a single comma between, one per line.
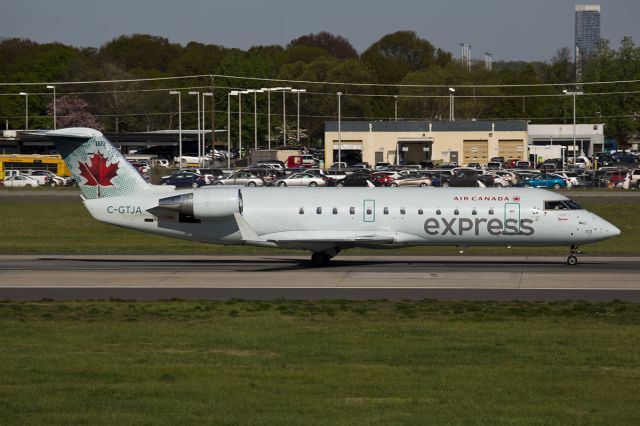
(323,221)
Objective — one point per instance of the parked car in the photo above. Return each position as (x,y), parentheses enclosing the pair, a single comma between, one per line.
(20,181)
(45,177)
(544,180)
(524,165)
(411,179)
(356,179)
(634,179)
(384,178)
(571,177)
(267,174)
(241,178)
(463,177)
(301,179)
(494,165)
(183,179)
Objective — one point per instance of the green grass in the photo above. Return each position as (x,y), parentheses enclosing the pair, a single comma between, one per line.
(64,226)
(325,362)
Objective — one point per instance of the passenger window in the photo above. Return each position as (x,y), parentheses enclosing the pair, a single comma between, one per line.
(491,211)
(385,210)
(301,211)
(456,211)
(335,210)
(402,210)
(438,211)
(369,211)
(474,212)
(352,210)
(420,211)
(319,210)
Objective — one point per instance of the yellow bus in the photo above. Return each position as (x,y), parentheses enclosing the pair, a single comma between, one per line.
(20,162)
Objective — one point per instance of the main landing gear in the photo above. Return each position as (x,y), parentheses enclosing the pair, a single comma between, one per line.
(322,258)
(573,259)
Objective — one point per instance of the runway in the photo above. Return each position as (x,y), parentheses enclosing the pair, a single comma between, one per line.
(152,277)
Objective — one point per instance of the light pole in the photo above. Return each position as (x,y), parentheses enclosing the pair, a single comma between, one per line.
(269,90)
(197,94)
(231,93)
(205,94)
(26,109)
(175,92)
(240,93)
(298,91)
(566,92)
(284,115)
(339,130)
(395,98)
(451,104)
(50,86)
(255,115)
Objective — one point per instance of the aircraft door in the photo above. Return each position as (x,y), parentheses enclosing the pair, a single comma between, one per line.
(511,219)
(369,211)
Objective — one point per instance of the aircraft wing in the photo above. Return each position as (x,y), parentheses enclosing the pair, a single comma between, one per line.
(328,237)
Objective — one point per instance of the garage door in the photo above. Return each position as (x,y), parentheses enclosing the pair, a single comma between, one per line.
(475,152)
(511,149)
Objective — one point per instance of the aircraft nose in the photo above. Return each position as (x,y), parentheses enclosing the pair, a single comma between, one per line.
(614,231)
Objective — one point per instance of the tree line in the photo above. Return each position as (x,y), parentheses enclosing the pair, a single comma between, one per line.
(400,68)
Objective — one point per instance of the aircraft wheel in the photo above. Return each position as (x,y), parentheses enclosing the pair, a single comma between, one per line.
(320,259)
(313,184)
(572,260)
(556,186)
(282,184)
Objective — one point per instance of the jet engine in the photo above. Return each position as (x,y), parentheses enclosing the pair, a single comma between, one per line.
(201,204)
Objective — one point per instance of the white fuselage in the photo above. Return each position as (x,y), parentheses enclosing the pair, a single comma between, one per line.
(323,218)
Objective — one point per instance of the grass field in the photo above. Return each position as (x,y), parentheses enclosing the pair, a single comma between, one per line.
(331,362)
(63,225)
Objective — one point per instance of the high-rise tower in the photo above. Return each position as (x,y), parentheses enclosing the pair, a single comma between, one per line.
(587,34)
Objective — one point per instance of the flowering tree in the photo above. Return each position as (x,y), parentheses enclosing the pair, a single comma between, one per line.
(73,112)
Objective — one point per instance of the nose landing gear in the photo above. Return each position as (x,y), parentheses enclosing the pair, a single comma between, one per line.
(572,259)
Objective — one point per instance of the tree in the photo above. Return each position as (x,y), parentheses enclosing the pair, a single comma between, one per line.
(72,111)
(395,55)
(337,46)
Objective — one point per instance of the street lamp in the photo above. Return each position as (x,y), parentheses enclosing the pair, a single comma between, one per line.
(284,115)
(451,104)
(204,94)
(269,90)
(339,130)
(298,91)
(566,92)
(26,109)
(231,93)
(197,94)
(175,92)
(395,98)
(240,93)
(255,115)
(54,105)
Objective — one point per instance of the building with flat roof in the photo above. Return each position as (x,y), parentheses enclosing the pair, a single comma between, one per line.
(589,137)
(411,142)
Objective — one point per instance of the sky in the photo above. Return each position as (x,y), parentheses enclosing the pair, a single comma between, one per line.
(509,29)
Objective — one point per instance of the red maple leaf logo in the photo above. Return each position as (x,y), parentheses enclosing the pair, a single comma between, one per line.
(96,172)
(516,199)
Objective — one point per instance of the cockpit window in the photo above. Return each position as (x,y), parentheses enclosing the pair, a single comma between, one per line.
(561,205)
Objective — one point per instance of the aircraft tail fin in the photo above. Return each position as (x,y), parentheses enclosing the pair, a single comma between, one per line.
(97,166)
